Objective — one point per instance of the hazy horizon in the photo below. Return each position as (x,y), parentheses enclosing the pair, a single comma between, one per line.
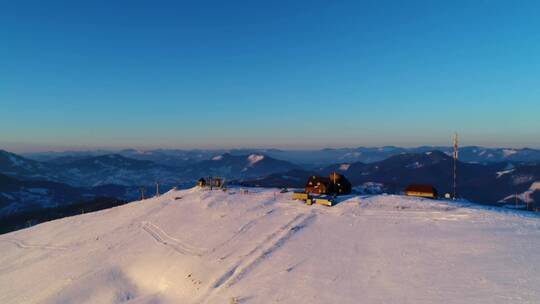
(37,149)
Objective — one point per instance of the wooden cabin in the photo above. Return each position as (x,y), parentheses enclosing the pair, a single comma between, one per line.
(211,182)
(201,182)
(339,184)
(317,185)
(216,182)
(421,191)
(335,184)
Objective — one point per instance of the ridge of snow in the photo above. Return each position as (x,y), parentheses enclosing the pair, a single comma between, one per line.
(354,154)
(526,196)
(344,167)
(415,165)
(501,173)
(254,158)
(509,152)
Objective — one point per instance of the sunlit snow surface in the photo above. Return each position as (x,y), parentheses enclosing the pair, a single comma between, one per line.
(196,246)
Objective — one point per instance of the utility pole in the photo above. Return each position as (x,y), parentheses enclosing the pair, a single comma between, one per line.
(455,164)
(333,177)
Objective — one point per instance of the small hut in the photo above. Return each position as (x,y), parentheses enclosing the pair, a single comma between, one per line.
(211,182)
(201,182)
(421,191)
(216,182)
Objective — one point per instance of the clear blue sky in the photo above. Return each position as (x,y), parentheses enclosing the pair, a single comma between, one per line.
(288,74)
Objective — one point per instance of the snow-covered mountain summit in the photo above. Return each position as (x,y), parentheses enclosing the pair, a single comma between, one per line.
(196,246)
(239,166)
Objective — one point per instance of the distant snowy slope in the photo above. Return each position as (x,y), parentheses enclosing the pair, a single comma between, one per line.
(196,246)
(309,158)
(20,196)
(238,166)
(92,171)
(15,165)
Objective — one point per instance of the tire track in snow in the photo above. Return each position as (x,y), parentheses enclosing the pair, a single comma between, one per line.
(245,270)
(413,214)
(23,245)
(257,255)
(163,238)
(240,232)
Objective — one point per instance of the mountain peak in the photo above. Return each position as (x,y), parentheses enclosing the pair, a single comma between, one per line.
(255,158)
(217,157)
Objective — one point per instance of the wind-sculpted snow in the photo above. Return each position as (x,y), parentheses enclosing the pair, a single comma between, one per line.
(259,246)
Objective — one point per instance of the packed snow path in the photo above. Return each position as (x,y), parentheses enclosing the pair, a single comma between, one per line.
(199,246)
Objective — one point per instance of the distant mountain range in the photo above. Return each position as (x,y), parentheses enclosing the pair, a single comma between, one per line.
(52,180)
(27,184)
(490,183)
(306,158)
(18,196)
(89,172)
(239,166)
(92,171)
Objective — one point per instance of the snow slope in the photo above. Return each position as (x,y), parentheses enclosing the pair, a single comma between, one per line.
(196,246)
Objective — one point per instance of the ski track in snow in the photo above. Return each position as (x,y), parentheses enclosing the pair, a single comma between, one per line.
(263,250)
(163,238)
(243,229)
(414,215)
(274,245)
(24,245)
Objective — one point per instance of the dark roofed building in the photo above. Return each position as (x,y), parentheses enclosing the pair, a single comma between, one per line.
(201,182)
(339,184)
(335,184)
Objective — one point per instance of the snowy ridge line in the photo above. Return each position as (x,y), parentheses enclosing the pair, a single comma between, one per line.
(163,238)
(270,244)
(23,245)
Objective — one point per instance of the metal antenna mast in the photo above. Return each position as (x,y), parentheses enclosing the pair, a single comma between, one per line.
(455,163)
